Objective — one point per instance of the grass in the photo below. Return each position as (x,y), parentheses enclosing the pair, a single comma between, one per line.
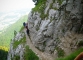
(40,7)
(16,43)
(72,55)
(16,58)
(29,54)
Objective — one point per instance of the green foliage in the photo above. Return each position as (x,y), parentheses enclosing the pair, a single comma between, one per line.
(60,1)
(44,43)
(40,7)
(60,52)
(80,43)
(51,5)
(3,54)
(37,28)
(6,36)
(15,58)
(72,55)
(29,54)
(22,41)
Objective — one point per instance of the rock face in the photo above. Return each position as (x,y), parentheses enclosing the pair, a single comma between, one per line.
(17,47)
(61,29)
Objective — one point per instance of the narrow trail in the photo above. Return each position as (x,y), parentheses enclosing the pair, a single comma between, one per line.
(41,55)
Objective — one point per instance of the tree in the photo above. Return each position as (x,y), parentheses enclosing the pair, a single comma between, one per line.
(35,1)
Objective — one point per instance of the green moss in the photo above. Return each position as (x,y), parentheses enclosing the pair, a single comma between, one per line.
(16,43)
(29,54)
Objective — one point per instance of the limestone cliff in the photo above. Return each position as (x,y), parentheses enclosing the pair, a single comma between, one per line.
(57,25)
(56,30)
(17,47)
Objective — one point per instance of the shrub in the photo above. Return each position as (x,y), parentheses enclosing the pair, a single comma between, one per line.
(22,41)
(80,43)
(40,7)
(60,52)
(15,58)
(29,54)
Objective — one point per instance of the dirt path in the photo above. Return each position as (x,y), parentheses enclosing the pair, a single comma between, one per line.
(41,55)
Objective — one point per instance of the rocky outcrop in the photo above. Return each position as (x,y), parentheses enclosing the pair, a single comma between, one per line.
(17,47)
(61,29)
(56,29)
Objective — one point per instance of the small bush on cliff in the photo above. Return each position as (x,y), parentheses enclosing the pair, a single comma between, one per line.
(80,44)
(16,43)
(16,58)
(29,54)
(40,7)
(60,52)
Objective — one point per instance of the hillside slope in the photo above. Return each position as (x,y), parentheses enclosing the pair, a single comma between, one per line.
(6,36)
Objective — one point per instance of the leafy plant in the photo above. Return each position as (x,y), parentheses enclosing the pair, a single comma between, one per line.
(80,43)
(60,52)
(40,7)
(22,41)
(16,58)
(60,1)
(29,54)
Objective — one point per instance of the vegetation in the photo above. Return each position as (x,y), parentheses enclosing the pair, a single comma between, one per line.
(16,58)
(40,7)
(80,43)
(29,54)
(3,54)
(6,36)
(60,52)
(72,55)
(60,2)
(4,48)
(22,41)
